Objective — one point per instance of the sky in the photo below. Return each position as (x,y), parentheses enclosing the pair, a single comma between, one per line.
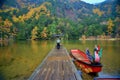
(93,1)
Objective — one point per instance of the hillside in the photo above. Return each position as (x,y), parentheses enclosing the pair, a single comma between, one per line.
(41,19)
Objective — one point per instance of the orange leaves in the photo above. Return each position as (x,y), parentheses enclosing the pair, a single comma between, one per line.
(97,11)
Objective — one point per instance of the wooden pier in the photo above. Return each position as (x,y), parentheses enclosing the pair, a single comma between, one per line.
(56,66)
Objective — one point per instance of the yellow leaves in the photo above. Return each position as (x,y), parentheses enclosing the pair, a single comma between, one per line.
(36,11)
(37,16)
(44,33)
(15,19)
(21,18)
(48,14)
(110,26)
(10,9)
(30,13)
(7,23)
(34,33)
(97,11)
(33,11)
(5,26)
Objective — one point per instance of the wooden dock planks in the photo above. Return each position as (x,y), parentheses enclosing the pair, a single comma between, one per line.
(56,66)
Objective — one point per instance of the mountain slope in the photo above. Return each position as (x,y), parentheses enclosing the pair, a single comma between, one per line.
(73,18)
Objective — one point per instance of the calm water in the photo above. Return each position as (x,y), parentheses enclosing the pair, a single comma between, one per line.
(19,59)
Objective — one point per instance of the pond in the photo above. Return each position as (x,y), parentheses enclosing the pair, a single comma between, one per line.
(19,59)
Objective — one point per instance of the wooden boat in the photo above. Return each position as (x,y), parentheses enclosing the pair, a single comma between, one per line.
(107,78)
(82,61)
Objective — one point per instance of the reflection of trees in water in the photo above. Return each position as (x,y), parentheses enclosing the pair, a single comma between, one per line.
(44,44)
(8,55)
(34,45)
(110,58)
(4,43)
(5,56)
(19,60)
(83,41)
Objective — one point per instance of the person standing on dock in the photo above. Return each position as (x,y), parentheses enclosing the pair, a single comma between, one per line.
(58,43)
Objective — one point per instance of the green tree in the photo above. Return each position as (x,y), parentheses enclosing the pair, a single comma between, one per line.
(94,30)
(51,29)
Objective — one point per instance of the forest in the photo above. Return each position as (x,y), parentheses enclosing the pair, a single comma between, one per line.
(74,19)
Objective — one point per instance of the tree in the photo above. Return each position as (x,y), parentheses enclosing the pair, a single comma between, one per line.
(97,11)
(51,29)
(7,23)
(34,33)
(15,19)
(6,27)
(44,33)
(110,26)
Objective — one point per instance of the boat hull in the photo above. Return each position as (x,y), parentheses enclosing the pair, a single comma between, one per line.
(84,63)
(88,68)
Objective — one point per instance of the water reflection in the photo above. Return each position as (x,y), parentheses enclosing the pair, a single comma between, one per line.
(44,44)
(83,41)
(34,45)
(19,59)
(3,43)
(110,57)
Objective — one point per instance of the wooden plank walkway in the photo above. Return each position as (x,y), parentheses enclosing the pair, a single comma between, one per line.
(56,66)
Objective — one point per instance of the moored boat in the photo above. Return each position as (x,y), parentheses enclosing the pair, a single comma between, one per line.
(107,78)
(81,60)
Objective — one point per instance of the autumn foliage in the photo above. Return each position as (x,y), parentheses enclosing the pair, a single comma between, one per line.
(33,12)
(41,19)
(110,26)
(98,12)
(34,33)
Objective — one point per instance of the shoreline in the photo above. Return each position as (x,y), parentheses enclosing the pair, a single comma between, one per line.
(111,39)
